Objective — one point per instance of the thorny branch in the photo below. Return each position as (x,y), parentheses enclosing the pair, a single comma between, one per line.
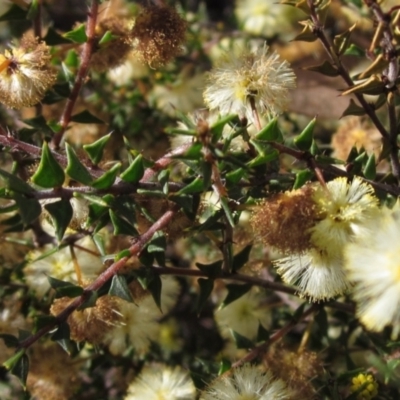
(87,51)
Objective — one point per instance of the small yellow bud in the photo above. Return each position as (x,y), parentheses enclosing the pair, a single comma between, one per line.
(365,385)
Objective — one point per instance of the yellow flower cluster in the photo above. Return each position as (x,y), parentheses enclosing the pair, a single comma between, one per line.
(367,384)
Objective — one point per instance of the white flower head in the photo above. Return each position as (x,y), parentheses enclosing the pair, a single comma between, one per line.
(372,262)
(138,323)
(244,316)
(319,275)
(137,327)
(263,17)
(248,383)
(25,73)
(61,265)
(159,382)
(255,75)
(343,210)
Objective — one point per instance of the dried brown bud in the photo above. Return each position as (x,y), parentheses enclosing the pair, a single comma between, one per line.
(283,221)
(90,324)
(159,33)
(114,52)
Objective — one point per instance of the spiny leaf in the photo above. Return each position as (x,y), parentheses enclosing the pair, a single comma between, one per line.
(75,169)
(206,286)
(304,140)
(78,35)
(135,171)
(49,173)
(234,293)
(95,150)
(12,182)
(61,213)
(119,288)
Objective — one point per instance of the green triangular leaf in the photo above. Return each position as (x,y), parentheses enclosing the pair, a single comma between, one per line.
(75,169)
(370,167)
(49,173)
(234,293)
(135,171)
(15,13)
(304,140)
(62,337)
(301,178)
(78,35)
(29,209)
(86,117)
(95,150)
(18,365)
(108,178)
(206,287)
(90,299)
(119,288)
(270,132)
(9,340)
(12,182)
(61,213)
(241,341)
(241,258)
(53,38)
(155,287)
(121,226)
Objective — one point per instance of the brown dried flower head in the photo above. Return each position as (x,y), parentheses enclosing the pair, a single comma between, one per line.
(297,368)
(53,375)
(25,73)
(90,324)
(114,52)
(159,33)
(283,221)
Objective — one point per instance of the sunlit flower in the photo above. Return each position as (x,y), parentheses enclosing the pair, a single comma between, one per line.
(25,73)
(372,262)
(263,17)
(60,265)
(126,73)
(254,76)
(250,383)
(137,324)
(159,382)
(244,316)
(184,95)
(318,274)
(345,208)
(358,132)
(342,210)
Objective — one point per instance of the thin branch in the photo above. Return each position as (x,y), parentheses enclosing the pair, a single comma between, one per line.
(112,270)
(262,348)
(254,280)
(394,152)
(87,51)
(320,34)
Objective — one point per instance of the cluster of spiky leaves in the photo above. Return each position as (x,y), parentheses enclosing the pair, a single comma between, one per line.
(129,265)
